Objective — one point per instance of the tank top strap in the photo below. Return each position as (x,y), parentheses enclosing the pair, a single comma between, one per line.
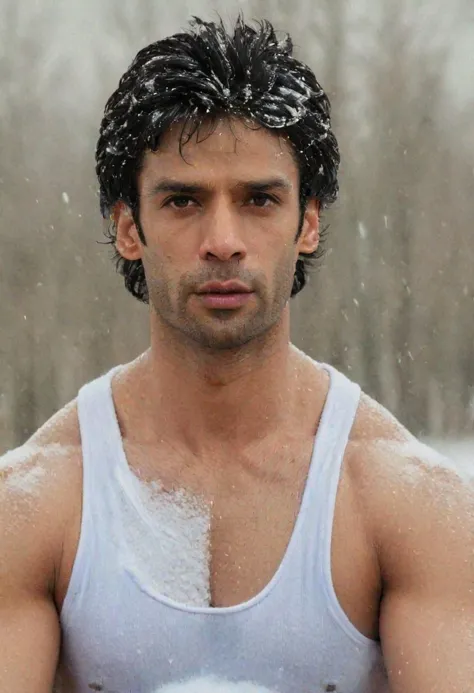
(101,453)
(331,441)
(101,439)
(337,419)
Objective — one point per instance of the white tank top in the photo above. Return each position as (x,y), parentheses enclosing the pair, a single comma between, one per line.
(119,636)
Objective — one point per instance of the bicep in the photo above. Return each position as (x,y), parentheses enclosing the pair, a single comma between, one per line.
(29,644)
(428,642)
(30,541)
(422,522)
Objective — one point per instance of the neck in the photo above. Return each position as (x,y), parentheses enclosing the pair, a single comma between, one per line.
(206,398)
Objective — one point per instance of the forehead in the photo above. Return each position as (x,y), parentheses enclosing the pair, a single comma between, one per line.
(228,145)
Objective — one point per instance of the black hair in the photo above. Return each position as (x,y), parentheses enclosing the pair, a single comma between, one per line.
(200,76)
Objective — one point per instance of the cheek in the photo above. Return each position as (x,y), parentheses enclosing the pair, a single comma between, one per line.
(154,265)
(164,269)
(284,265)
(169,249)
(272,245)
(289,252)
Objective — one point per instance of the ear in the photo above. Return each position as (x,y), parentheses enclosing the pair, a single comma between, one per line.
(309,236)
(127,241)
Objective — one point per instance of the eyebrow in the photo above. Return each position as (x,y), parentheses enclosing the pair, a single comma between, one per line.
(169,185)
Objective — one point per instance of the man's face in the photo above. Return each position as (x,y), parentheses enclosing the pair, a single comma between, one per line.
(226,212)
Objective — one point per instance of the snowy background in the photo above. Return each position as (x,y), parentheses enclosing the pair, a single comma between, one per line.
(393,304)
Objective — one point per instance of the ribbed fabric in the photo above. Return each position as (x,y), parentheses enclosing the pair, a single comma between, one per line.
(293,637)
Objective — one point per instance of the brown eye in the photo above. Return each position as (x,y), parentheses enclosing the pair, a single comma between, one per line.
(262,200)
(179,201)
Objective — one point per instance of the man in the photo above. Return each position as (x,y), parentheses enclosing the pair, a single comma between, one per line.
(223,508)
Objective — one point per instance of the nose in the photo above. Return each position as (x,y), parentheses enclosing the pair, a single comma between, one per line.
(222,234)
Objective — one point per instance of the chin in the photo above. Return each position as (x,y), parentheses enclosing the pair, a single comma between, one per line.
(222,343)
(224,337)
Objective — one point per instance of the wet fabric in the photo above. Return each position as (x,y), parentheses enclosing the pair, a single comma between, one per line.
(121,636)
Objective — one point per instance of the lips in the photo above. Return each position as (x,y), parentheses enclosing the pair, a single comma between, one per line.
(229,287)
(224,295)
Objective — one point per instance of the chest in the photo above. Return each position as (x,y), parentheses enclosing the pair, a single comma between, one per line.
(252,507)
(252,523)
(136,643)
(141,645)
(250,534)
(239,527)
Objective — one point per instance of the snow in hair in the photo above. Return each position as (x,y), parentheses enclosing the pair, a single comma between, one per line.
(202,75)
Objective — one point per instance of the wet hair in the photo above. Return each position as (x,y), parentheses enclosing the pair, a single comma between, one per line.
(201,76)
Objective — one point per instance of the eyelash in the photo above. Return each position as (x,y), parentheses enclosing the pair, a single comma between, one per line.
(266,196)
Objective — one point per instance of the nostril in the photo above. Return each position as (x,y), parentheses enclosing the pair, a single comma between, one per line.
(330,687)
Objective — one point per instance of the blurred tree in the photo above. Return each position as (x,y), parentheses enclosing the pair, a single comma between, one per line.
(391,305)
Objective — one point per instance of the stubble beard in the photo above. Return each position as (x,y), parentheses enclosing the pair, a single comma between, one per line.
(221,330)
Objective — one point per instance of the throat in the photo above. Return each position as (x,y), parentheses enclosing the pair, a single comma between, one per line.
(223,396)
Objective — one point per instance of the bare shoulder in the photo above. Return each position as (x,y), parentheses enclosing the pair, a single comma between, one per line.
(419,504)
(385,455)
(48,459)
(40,485)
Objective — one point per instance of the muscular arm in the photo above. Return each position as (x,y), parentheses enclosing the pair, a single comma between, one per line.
(29,627)
(425,535)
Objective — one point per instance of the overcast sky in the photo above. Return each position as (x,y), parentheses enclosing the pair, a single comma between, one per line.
(81,36)
(86,51)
